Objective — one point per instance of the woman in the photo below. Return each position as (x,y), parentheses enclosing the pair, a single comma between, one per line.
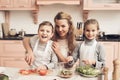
(64,38)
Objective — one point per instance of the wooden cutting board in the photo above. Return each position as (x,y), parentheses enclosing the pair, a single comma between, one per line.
(5,29)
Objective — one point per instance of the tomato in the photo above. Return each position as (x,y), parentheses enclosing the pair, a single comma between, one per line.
(24,72)
(32,71)
(43,72)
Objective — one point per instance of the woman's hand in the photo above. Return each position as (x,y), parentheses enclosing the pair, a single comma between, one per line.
(29,58)
(69,58)
(55,47)
(88,62)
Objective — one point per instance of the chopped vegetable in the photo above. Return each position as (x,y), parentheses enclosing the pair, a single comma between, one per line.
(87,70)
(4,77)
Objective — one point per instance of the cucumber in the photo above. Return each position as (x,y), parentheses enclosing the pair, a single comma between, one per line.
(4,77)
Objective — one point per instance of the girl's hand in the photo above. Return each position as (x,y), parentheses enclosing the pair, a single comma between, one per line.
(88,62)
(29,58)
(55,47)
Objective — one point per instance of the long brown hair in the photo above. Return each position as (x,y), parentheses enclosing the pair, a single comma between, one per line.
(70,34)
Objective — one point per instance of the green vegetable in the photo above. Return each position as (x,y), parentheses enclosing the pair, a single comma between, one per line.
(66,72)
(87,70)
(4,77)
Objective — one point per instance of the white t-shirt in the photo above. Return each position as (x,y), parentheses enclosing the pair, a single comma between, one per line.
(44,55)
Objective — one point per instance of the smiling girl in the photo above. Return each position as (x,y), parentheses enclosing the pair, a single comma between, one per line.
(90,52)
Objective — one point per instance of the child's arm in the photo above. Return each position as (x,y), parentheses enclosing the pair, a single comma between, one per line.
(29,56)
(76,53)
(54,61)
(100,62)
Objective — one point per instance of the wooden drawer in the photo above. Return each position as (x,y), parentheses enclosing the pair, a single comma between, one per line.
(17,62)
(12,48)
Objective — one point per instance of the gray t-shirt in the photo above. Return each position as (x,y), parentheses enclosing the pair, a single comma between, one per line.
(99,52)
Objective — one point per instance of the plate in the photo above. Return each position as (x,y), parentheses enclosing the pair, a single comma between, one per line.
(63,76)
(89,76)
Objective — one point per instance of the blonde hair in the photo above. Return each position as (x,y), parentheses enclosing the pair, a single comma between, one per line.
(91,21)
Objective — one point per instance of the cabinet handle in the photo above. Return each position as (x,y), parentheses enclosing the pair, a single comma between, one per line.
(3,6)
(18,59)
(107,6)
(22,6)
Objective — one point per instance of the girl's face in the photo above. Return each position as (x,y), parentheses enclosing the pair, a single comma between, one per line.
(45,33)
(62,27)
(91,31)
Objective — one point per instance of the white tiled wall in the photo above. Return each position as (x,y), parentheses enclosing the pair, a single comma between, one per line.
(109,20)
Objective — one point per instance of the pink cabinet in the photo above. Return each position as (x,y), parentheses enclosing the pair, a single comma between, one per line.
(17,5)
(24,4)
(101,5)
(69,2)
(12,53)
(5,4)
(17,62)
(111,50)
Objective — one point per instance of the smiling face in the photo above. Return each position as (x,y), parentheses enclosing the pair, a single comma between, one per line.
(91,31)
(62,28)
(45,33)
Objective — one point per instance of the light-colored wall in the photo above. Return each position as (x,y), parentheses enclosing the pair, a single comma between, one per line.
(109,20)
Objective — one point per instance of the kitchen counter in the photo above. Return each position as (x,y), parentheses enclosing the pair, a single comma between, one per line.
(17,37)
(30,35)
(14,74)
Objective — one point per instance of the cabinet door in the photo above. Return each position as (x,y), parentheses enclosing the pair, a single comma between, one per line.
(12,48)
(47,2)
(5,4)
(111,50)
(119,50)
(22,4)
(101,5)
(1,48)
(13,62)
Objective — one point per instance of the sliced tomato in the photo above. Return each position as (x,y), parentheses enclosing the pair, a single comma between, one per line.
(32,71)
(24,72)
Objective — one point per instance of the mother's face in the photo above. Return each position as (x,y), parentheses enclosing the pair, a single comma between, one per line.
(62,28)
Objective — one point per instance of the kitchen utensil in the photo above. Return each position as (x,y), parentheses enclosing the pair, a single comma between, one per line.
(22,33)
(5,28)
(1,32)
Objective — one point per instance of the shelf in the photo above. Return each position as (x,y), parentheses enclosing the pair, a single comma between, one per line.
(49,2)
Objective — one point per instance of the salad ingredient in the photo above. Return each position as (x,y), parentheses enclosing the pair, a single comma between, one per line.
(88,70)
(42,72)
(4,77)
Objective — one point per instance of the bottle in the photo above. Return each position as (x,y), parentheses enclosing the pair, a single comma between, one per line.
(79,30)
(1,34)
(22,33)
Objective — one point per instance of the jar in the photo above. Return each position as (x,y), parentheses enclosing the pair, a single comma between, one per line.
(12,32)
(22,33)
